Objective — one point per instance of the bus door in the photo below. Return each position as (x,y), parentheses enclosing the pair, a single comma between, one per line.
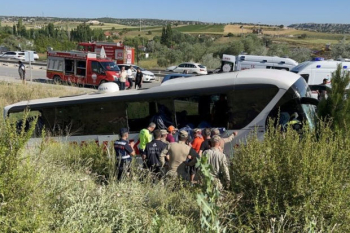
(95,73)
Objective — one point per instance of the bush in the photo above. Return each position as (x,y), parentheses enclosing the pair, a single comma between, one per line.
(293,184)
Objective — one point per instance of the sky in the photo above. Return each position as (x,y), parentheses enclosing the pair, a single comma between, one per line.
(220,11)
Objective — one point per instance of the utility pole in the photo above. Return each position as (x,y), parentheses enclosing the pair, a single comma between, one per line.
(140,25)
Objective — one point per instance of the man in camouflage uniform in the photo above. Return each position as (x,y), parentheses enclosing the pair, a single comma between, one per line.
(218,162)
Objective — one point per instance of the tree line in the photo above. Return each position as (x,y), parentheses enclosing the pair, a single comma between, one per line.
(20,38)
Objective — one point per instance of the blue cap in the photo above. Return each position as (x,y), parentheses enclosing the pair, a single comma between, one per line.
(123,131)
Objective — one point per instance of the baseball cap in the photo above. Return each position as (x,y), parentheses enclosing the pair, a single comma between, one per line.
(171,128)
(123,131)
(183,134)
(163,132)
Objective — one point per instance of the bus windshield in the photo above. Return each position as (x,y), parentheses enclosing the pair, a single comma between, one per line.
(110,66)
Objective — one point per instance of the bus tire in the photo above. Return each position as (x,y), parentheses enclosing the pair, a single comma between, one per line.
(57,79)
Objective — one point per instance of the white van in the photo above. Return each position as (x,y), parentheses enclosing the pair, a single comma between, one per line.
(315,71)
(243,62)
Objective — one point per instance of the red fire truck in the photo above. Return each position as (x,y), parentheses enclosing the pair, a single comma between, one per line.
(117,51)
(82,68)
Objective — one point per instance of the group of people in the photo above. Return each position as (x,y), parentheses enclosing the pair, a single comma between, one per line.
(173,153)
(127,75)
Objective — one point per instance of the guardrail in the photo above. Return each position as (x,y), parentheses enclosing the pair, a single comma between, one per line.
(15,61)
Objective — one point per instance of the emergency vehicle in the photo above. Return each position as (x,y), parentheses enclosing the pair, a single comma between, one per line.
(116,51)
(242,62)
(82,68)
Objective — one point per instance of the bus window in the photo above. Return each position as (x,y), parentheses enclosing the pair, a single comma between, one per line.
(85,119)
(246,102)
(139,115)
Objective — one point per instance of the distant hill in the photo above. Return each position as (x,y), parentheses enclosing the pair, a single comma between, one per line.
(327,27)
(127,22)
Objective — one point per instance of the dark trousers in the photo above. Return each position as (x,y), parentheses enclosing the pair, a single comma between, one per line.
(138,83)
(123,167)
(122,86)
(130,82)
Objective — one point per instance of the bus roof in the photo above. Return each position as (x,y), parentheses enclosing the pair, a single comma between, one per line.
(176,87)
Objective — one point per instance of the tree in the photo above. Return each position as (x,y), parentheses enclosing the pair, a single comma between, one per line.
(300,54)
(169,35)
(337,106)
(163,37)
(14,31)
(341,50)
(281,50)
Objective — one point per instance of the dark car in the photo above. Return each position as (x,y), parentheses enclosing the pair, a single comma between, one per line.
(176,75)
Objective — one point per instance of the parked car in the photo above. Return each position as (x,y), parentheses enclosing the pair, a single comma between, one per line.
(13,55)
(189,67)
(176,75)
(36,56)
(148,76)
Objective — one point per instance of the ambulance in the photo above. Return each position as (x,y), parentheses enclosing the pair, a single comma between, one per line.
(242,62)
(318,69)
(81,68)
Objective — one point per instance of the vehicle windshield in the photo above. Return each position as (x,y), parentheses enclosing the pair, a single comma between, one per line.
(303,90)
(110,66)
(291,103)
(300,67)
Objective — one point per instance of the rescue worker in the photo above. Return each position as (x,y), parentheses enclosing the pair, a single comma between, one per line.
(218,162)
(295,122)
(223,141)
(152,153)
(164,135)
(172,131)
(177,153)
(124,152)
(138,79)
(146,136)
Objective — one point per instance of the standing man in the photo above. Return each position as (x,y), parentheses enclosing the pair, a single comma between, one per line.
(177,154)
(198,139)
(223,141)
(172,131)
(122,79)
(124,150)
(218,162)
(22,71)
(130,76)
(206,143)
(146,137)
(164,135)
(138,79)
(152,153)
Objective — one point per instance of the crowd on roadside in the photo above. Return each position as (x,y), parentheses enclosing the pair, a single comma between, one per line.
(173,153)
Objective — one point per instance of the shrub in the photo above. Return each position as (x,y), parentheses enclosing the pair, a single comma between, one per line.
(292,183)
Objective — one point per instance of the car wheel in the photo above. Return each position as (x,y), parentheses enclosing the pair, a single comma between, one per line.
(57,79)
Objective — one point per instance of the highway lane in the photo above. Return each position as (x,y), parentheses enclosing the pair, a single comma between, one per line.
(9,73)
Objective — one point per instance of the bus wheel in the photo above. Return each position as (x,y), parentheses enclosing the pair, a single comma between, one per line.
(57,79)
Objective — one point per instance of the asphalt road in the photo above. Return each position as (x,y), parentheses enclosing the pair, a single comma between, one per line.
(9,73)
